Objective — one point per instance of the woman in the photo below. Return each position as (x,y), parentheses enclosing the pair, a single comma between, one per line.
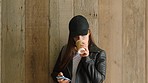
(87,67)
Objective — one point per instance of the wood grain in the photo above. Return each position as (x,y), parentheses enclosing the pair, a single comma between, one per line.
(133,41)
(110,37)
(34,31)
(0,40)
(13,41)
(36,38)
(61,11)
(54,36)
(146,40)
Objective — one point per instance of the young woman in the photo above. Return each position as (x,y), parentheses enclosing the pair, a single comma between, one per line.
(86,67)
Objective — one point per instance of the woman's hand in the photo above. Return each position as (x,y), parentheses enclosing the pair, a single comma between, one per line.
(62,80)
(85,53)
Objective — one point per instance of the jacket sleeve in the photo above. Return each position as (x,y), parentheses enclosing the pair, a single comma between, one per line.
(96,68)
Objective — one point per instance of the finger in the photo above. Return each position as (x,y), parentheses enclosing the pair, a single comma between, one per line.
(86,53)
(63,81)
(86,48)
(66,81)
(60,74)
(60,80)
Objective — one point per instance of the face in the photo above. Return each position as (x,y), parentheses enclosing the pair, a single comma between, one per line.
(83,38)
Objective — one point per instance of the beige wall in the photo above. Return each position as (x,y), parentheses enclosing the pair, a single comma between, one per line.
(33,32)
(146,42)
(12,41)
(0,41)
(122,34)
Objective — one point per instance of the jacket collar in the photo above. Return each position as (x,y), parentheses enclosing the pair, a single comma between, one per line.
(94,48)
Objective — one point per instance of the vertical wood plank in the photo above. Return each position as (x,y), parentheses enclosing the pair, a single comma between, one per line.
(36,58)
(13,43)
(146,34)
(0,39)
(134,41)
(61,11)
(89,9)
(65,15)
(110,37)
(54,45)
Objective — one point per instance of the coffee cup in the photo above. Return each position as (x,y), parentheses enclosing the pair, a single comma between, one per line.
(79,48)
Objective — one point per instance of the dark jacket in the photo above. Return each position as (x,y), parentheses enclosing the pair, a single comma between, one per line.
(91,69)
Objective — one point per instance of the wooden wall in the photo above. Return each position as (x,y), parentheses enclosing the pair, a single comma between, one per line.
(0,38)
(146,41)
(33,32)
(36,41)
(110,37)
(122,34)
(13,41)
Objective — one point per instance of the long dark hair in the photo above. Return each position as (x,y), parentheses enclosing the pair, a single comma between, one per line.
(70,50)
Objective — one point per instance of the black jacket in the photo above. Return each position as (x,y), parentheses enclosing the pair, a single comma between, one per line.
(91,69)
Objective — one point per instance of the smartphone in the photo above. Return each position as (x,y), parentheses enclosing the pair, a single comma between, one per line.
(63,77)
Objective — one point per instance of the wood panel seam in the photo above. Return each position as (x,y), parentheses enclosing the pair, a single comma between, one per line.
(146,26)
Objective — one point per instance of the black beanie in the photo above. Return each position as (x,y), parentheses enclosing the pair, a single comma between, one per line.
(78,25)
